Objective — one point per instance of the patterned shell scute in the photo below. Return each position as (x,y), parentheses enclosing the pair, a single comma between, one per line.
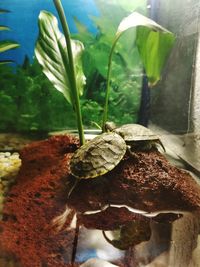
(135,132)
(98,156)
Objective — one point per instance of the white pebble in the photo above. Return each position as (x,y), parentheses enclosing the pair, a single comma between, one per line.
(97,263)
(7,154)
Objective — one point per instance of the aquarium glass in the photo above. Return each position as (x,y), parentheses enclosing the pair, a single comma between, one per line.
(99,133)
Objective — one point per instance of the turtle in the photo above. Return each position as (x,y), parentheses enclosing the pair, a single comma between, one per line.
(136,136)
(104,152)
(98,156)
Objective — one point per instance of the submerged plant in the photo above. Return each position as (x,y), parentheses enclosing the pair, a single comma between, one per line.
(6,45)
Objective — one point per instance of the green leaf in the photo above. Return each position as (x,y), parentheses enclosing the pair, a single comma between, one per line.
(4,28)
(154,49)
(153,41)
(51,52)
(7,45)
(5,61)
(135,19)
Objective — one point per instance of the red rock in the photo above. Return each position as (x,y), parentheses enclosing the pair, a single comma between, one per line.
(40,195)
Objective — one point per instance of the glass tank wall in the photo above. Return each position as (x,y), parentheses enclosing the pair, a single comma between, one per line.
(141,207)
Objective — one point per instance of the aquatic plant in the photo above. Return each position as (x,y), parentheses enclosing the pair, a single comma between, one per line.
(6,45)
(127,70)
(154,44)
(60,56)
(26,97)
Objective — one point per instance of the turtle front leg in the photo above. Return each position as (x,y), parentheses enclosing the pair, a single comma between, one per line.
(132,153)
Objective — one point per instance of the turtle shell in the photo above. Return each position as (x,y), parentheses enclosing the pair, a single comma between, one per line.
(135,132)
(98,156)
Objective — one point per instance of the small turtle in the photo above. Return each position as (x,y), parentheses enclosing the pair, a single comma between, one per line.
(98,156)
(136,136)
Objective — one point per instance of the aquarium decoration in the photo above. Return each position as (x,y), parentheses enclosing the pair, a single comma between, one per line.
(6,45)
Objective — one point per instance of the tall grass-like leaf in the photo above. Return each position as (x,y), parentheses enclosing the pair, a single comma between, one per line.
(51,52)
(154,44)
(4,28)
(7,45)
(2,62)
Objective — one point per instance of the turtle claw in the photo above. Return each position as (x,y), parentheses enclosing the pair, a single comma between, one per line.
(161,144)
(132,153)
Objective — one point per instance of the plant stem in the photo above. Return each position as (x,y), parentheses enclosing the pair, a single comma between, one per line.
(75,242)
(66,32)
(105,110)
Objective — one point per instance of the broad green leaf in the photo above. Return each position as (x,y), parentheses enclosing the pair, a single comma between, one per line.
(154,48)
(4,28)
(151,51)
(51,53)
(7,45)
(153,41)
(135,19)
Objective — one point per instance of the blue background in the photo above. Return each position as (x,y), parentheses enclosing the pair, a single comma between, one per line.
(23,20)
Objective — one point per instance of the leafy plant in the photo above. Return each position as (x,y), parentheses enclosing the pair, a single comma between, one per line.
(27,97)
(154,43)
(60,55)
(60,59)
(6,45)
(126,80)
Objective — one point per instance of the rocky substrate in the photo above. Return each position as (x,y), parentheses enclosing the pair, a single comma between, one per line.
(40,194)
(9,167)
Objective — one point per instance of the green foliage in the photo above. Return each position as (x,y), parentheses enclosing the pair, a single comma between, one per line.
(154,43)
(6,45)
(92,112)
(127,68)
(51,53)
(154,48)
(29,102)
(60,56)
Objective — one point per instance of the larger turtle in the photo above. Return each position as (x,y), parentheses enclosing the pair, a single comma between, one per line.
(136,136)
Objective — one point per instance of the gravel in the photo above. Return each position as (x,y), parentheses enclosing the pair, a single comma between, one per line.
(9,167)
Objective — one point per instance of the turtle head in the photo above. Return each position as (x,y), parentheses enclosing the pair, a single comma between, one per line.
(110,126)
